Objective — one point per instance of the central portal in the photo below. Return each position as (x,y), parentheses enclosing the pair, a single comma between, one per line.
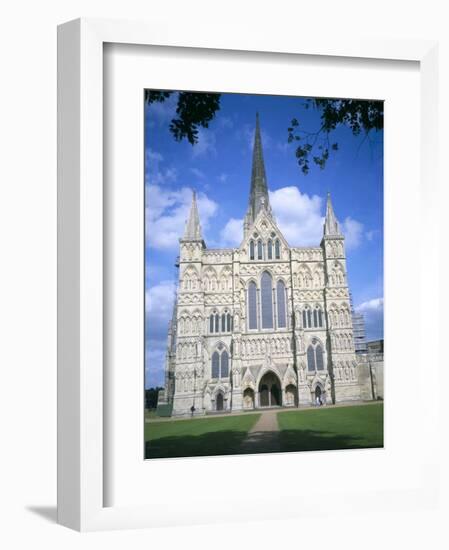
(270,391)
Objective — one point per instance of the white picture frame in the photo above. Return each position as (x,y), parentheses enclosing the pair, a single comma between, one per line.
(82,490)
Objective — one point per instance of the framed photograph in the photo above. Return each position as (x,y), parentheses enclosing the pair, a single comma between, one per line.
(249,310)
(234,226)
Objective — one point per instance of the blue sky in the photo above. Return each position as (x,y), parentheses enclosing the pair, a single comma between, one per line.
(219,168)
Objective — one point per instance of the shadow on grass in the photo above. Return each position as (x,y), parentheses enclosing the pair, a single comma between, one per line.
(224,442)
(236,442)
(318,440)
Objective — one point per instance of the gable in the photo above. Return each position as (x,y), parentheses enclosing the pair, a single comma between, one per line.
(264,227)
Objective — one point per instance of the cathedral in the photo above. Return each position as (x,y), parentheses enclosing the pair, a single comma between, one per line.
(261,325)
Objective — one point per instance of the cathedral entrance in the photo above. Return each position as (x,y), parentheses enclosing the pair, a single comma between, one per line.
(270,391)
(219,400)
(248,399)
(290,396)
(318,395)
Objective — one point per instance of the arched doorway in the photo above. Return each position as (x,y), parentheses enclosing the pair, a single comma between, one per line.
(219,401)
(290,396)
(318,394)
(248,399)
(270,394)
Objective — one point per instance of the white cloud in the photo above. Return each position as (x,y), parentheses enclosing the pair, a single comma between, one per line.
(153,156)
(159,307)
(371,234)
(205,144)
(154,366)
(197,173)
(376,304)
(225,122)
(159,300)
(373,312)
(353,232)
(284,147)
(298,216)
(155,174)
(232,233)
(223,178)
(166,212)
(161,113)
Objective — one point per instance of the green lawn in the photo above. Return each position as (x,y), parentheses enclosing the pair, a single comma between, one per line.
(198,436)
(316,429)
(320,429)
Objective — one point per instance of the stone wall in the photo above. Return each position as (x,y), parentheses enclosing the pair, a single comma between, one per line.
(371,376)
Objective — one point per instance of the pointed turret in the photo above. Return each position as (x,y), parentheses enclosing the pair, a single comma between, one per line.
(258,197)
(193,226)
(331,227)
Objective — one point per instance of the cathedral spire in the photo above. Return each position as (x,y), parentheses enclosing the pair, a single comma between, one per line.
(331,226)
(193,227)
(258,197)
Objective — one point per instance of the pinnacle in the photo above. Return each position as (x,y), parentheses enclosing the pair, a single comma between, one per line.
(193,226)
(259,191)
(331,226)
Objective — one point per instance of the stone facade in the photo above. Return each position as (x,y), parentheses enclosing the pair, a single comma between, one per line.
(264,324)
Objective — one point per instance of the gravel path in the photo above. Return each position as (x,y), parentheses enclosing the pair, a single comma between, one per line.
(264,436)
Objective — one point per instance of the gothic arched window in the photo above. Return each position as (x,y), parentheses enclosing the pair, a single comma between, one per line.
(309,318)
(211,323)
(223,322)
(251,250)
(277,249)
(320,318)
(266,299)
(224,365)
(228,323)
(304,319)
(215,365)
(252,305)
(220,363)
(259,250)
(319,357)
(315,318)
(282,317)
(315,356)
(270,249)
(310,359)
(217,323)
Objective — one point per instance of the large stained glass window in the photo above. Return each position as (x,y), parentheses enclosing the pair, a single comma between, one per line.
(277,249)
(224,365)
(215,365)
(282,317)
(259,250)
(319,357)
(266,299)
(252,305)
(311,359)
